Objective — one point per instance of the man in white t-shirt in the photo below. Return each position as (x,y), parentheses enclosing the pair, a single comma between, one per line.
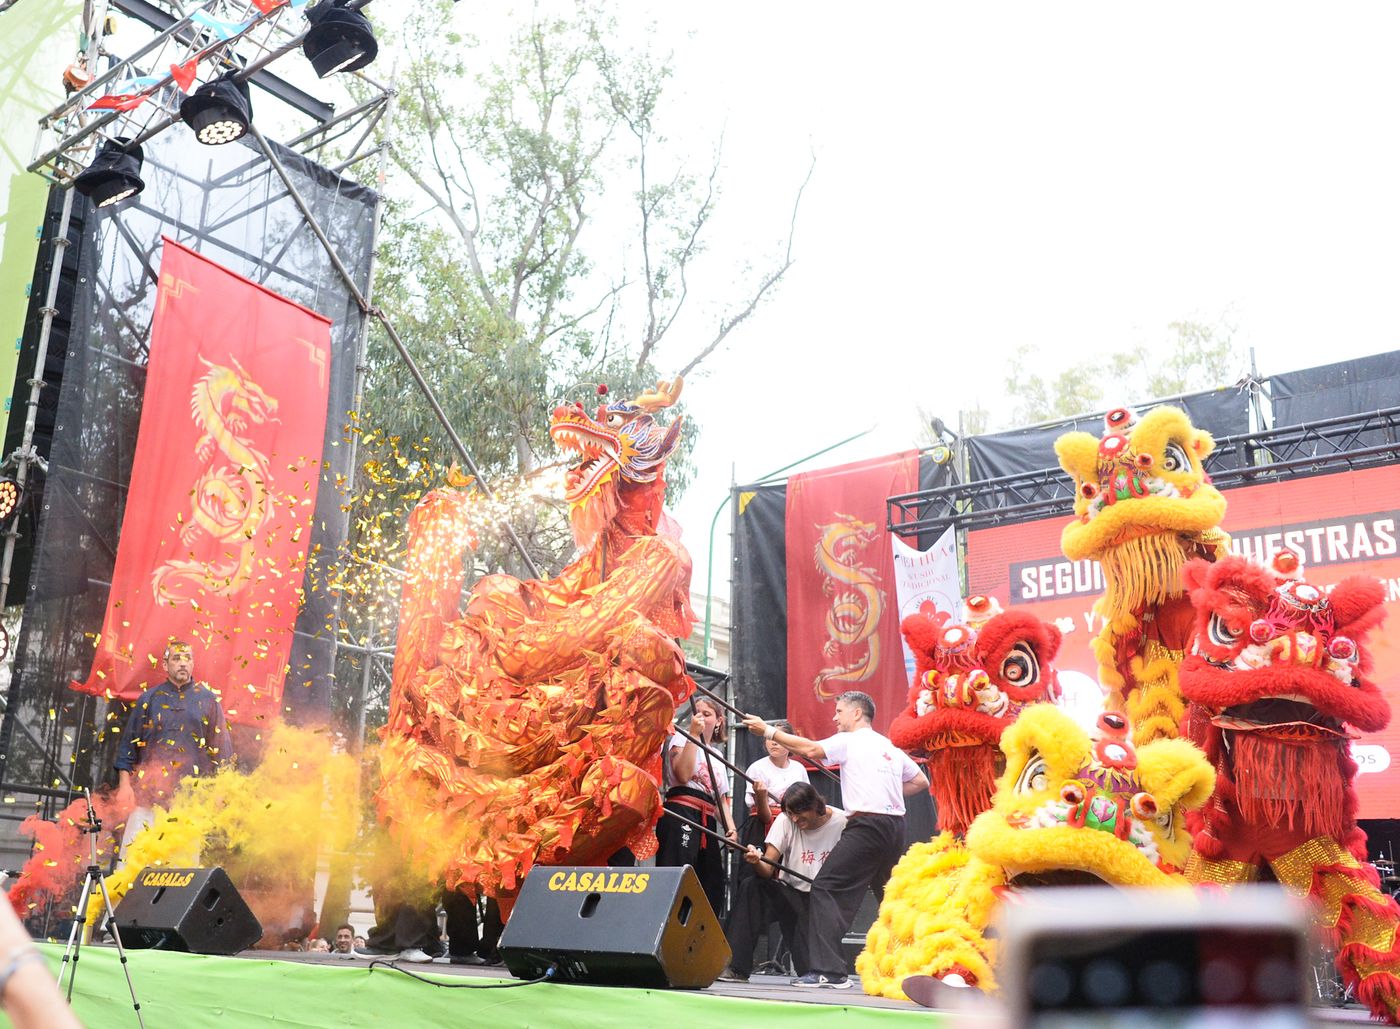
(876,776)
(801,839)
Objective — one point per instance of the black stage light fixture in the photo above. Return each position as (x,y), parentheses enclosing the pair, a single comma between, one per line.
(115,173)
(10,496)
(219,111)
(340,39)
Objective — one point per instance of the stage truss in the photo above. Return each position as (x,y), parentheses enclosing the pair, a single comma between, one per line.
(68,136)
(1344,443)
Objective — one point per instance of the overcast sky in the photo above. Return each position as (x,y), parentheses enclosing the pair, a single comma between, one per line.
(990,175)
(1073,177)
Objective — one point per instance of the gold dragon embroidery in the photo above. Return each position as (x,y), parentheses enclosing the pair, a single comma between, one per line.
(856,603)
(232,501)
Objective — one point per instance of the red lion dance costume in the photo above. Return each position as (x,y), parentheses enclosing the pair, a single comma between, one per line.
(970,682)
(529,729)
(1278,676)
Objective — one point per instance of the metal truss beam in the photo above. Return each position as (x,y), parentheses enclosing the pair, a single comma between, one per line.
(1343,443)
(72,132)
(161,20)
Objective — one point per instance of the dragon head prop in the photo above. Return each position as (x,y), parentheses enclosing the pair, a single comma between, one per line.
(1072,807)
(972,679)
(1277,681)
(1143,501)
(620,445)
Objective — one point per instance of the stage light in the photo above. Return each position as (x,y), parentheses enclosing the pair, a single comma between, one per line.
(10,496)
(219,111)
(115,173)
(340,39)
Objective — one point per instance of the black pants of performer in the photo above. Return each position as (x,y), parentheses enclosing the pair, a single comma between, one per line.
(463,937)
(758,901)
(680,843)
(400,925)
(865,855)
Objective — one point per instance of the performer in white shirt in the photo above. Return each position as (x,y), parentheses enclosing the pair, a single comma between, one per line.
(876,776)
(802,838)
(768,778)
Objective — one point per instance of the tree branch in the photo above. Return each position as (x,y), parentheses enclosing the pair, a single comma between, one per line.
(770,280)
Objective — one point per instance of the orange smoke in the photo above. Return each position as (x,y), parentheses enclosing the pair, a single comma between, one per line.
(62,851)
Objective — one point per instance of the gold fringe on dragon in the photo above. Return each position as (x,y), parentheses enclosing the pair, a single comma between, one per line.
(528,728)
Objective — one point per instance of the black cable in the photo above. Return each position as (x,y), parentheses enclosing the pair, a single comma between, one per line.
(548,974)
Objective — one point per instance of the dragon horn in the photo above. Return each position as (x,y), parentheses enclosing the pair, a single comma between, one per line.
(665,394)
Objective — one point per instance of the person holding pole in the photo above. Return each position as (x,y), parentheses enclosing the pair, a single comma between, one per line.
(697,793)
(802,838)
(768,778)
(876,776)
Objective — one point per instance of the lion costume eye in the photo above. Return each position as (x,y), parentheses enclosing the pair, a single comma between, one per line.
(1020,667)
(1175,459)
(1035,777)
(1166,823)
(1219,632)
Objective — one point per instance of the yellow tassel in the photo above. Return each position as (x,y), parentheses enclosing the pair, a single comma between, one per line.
(1141,572)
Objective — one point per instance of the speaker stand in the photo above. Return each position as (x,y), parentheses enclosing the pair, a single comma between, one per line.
(94,880)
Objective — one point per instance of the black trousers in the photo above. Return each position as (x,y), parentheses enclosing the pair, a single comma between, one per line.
(865,855)
(680,843)
(758,901)
(401,925)
(463,937)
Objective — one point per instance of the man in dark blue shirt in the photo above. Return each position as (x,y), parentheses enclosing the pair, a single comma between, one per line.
(176,729)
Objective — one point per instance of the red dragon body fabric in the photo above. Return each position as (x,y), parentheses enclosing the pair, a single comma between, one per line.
(528,729)
(971,680)
(1276,685)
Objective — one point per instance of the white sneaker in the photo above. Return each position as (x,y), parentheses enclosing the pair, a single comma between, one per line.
(413,954)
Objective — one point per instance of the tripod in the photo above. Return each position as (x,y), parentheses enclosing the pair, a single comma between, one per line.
(94,880)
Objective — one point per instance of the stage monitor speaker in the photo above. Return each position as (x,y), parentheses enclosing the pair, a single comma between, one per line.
(647,927)
(190,909)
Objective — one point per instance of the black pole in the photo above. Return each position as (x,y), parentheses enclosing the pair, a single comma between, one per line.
(739,846)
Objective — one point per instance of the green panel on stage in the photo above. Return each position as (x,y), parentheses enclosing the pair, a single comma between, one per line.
(38,39)
(194,991)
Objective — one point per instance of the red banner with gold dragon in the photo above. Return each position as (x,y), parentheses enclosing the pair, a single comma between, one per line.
(843,618)
(223,485)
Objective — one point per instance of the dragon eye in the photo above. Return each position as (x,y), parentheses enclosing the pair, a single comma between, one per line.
(1035,777)
(1020,667)
(1220,633)
(616,420)
(1175,459)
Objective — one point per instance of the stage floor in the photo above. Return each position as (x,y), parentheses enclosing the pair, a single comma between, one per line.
(319,991)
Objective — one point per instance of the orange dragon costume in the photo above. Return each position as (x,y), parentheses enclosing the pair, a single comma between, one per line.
(1278,679)
(1144,506)
(1070,807)
(971,680)
(529,728)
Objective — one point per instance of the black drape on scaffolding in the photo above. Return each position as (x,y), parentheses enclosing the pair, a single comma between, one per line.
(1221,412)
(227,203)
(1336,390)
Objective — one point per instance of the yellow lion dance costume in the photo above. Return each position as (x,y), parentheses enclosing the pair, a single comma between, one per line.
(1144,506)
(1069,808)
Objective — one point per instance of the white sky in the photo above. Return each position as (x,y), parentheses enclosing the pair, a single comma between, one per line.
(1074,177)
(990,175)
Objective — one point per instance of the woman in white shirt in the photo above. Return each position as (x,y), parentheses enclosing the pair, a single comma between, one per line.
(769,777)
(697,791)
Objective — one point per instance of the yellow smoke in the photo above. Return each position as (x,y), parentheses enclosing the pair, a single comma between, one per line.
(264,827)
